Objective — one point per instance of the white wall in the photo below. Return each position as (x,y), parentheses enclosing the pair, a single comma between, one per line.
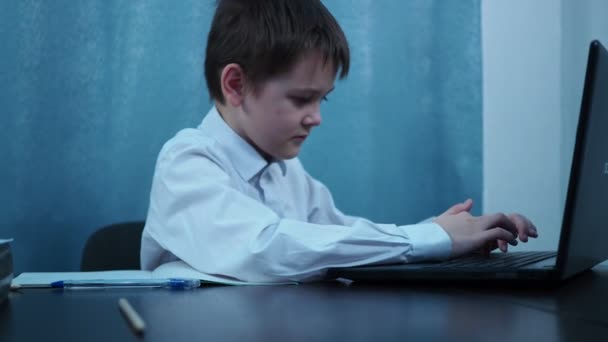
(582,21)
(521,123)
(534,58)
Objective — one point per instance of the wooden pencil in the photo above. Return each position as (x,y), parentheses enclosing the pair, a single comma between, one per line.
(135,321)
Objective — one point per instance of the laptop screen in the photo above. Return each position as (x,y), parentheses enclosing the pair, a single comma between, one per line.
(585,223)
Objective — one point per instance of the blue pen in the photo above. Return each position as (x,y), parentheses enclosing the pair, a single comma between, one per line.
(171,283)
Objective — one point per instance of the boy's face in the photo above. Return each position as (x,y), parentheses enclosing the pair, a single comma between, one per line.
(281,113)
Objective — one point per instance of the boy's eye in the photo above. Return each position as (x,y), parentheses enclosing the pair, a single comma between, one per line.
(301,101)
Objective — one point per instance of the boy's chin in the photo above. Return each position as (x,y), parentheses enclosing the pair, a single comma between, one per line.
(289,154)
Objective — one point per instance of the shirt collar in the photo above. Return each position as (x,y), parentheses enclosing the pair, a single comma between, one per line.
(246,160)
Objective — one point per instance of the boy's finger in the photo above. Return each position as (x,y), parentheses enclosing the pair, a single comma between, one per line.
(532,231)
(460,207)
(499,234)
(499,220)
(485,250)
(504,247)
(523,226)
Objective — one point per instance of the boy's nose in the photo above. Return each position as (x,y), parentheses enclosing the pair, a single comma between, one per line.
(312,119)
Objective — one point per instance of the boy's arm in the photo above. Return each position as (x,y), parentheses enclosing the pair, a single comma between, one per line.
(322,210)
(197,215)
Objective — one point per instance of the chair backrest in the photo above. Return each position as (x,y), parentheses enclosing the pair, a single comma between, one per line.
(113,247)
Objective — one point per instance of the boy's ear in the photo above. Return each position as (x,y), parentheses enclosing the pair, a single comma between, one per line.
(233,84)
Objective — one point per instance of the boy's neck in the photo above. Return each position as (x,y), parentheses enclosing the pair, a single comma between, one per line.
(229,114)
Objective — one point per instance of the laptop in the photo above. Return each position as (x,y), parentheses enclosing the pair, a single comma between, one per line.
(584,232)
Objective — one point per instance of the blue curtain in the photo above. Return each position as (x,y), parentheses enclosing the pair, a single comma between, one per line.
(92,89)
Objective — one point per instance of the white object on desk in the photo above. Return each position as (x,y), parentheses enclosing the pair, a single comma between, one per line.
(176,269)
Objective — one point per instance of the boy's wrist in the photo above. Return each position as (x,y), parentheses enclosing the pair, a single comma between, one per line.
(429,242)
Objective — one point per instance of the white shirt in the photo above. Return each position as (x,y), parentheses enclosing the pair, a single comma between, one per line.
(220,207)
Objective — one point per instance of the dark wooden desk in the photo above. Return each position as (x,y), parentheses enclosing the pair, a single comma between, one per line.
(576,311)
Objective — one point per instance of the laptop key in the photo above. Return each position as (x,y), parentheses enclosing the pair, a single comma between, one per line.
(501,260)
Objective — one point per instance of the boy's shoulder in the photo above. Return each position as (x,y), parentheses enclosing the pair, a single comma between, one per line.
(189,140)
(199,143)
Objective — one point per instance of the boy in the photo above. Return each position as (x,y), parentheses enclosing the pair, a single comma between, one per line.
(231,199)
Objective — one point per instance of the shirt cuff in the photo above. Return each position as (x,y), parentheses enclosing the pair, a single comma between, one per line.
(429,242)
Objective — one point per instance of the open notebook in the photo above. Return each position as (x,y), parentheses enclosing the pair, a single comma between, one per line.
(176,269)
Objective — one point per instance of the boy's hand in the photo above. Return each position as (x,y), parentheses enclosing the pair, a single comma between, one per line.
(483,233)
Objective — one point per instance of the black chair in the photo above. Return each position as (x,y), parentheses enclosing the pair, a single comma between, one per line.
(113,247)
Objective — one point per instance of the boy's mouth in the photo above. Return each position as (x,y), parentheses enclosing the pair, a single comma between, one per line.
(300,137)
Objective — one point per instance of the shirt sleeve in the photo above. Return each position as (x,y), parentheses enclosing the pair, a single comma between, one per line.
(428,240)
(198,215)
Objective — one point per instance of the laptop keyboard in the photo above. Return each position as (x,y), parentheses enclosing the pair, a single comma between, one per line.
(498,260)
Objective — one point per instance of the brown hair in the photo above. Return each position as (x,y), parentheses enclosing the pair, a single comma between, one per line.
(266,38)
